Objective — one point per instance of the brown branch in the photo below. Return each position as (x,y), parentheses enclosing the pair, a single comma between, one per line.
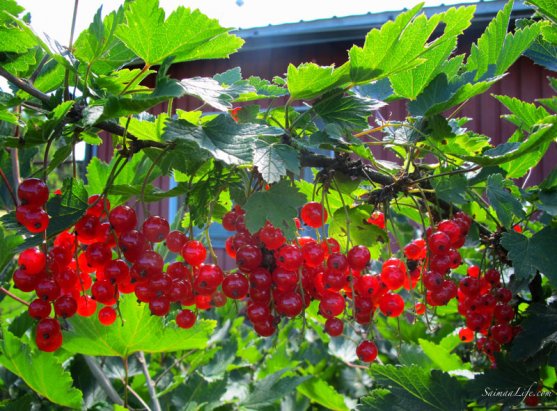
(15,297)
(23,85)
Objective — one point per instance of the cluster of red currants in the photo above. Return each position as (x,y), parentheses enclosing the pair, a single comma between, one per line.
(33,195)
(484,302)
(105,246)
(281,278)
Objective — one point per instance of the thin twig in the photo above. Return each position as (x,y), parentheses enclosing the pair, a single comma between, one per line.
(9,186)
(138,397)
(103,380)
(15,297)
(23,85)
(149,381)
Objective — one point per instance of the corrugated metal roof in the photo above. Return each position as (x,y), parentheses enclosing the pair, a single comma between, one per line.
(354,27)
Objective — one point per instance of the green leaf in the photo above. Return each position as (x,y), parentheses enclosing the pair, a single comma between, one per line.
(380,399)
(309,80)
(506,152)
(141,331)
(14,39)
(505,204)
(145,129)
(360,231)
(397,46)
(212,93)
(226,140)
(59,157)
(118,81)
(411,83)
(497,47)
(545,7)
(531,254)
(186,35)
(320,392)
(99,48)
(442,94)
(442,357)
(41,371)
(510,377)
(123,105)
(133,173)
(278,205)
(539,332)
(8,246)
(542,51)
(273,160)
(198,393)
(68,207)
(348,111)
(268,390)
(451,188)
(523,115)
(414,388)
(548,200)
(9,7)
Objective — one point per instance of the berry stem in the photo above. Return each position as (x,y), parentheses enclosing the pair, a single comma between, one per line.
(13,296)
(149,381)
(103,381)
(9,186)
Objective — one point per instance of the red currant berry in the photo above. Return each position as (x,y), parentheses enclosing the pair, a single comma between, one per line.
(39,309)
(358,257)
(272,237)
(32,260)
(257,312)
(155,229)
(116,270)
(87,229)
(98,254)
(207,279)
(466,335)
(377,219)
(149,264)
(65,306)
(104,292)
(334,327)
(193,252)
(33,192)
(248,257)
(439,243)
(122,218)
(186,319)
(367,351)
(331,305)
(47,290)
(391,305)
(265,328)
(337,263)
(416,250)
(34,219)
(235,286)
(420,308)
(260,278)
(289,303)
(25,281)
(133,244)
(159,306)
(313,214)
(289,257)
(107,315)
(229,220)
(98,206)
(313,255)
(175,240)
(86,306)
